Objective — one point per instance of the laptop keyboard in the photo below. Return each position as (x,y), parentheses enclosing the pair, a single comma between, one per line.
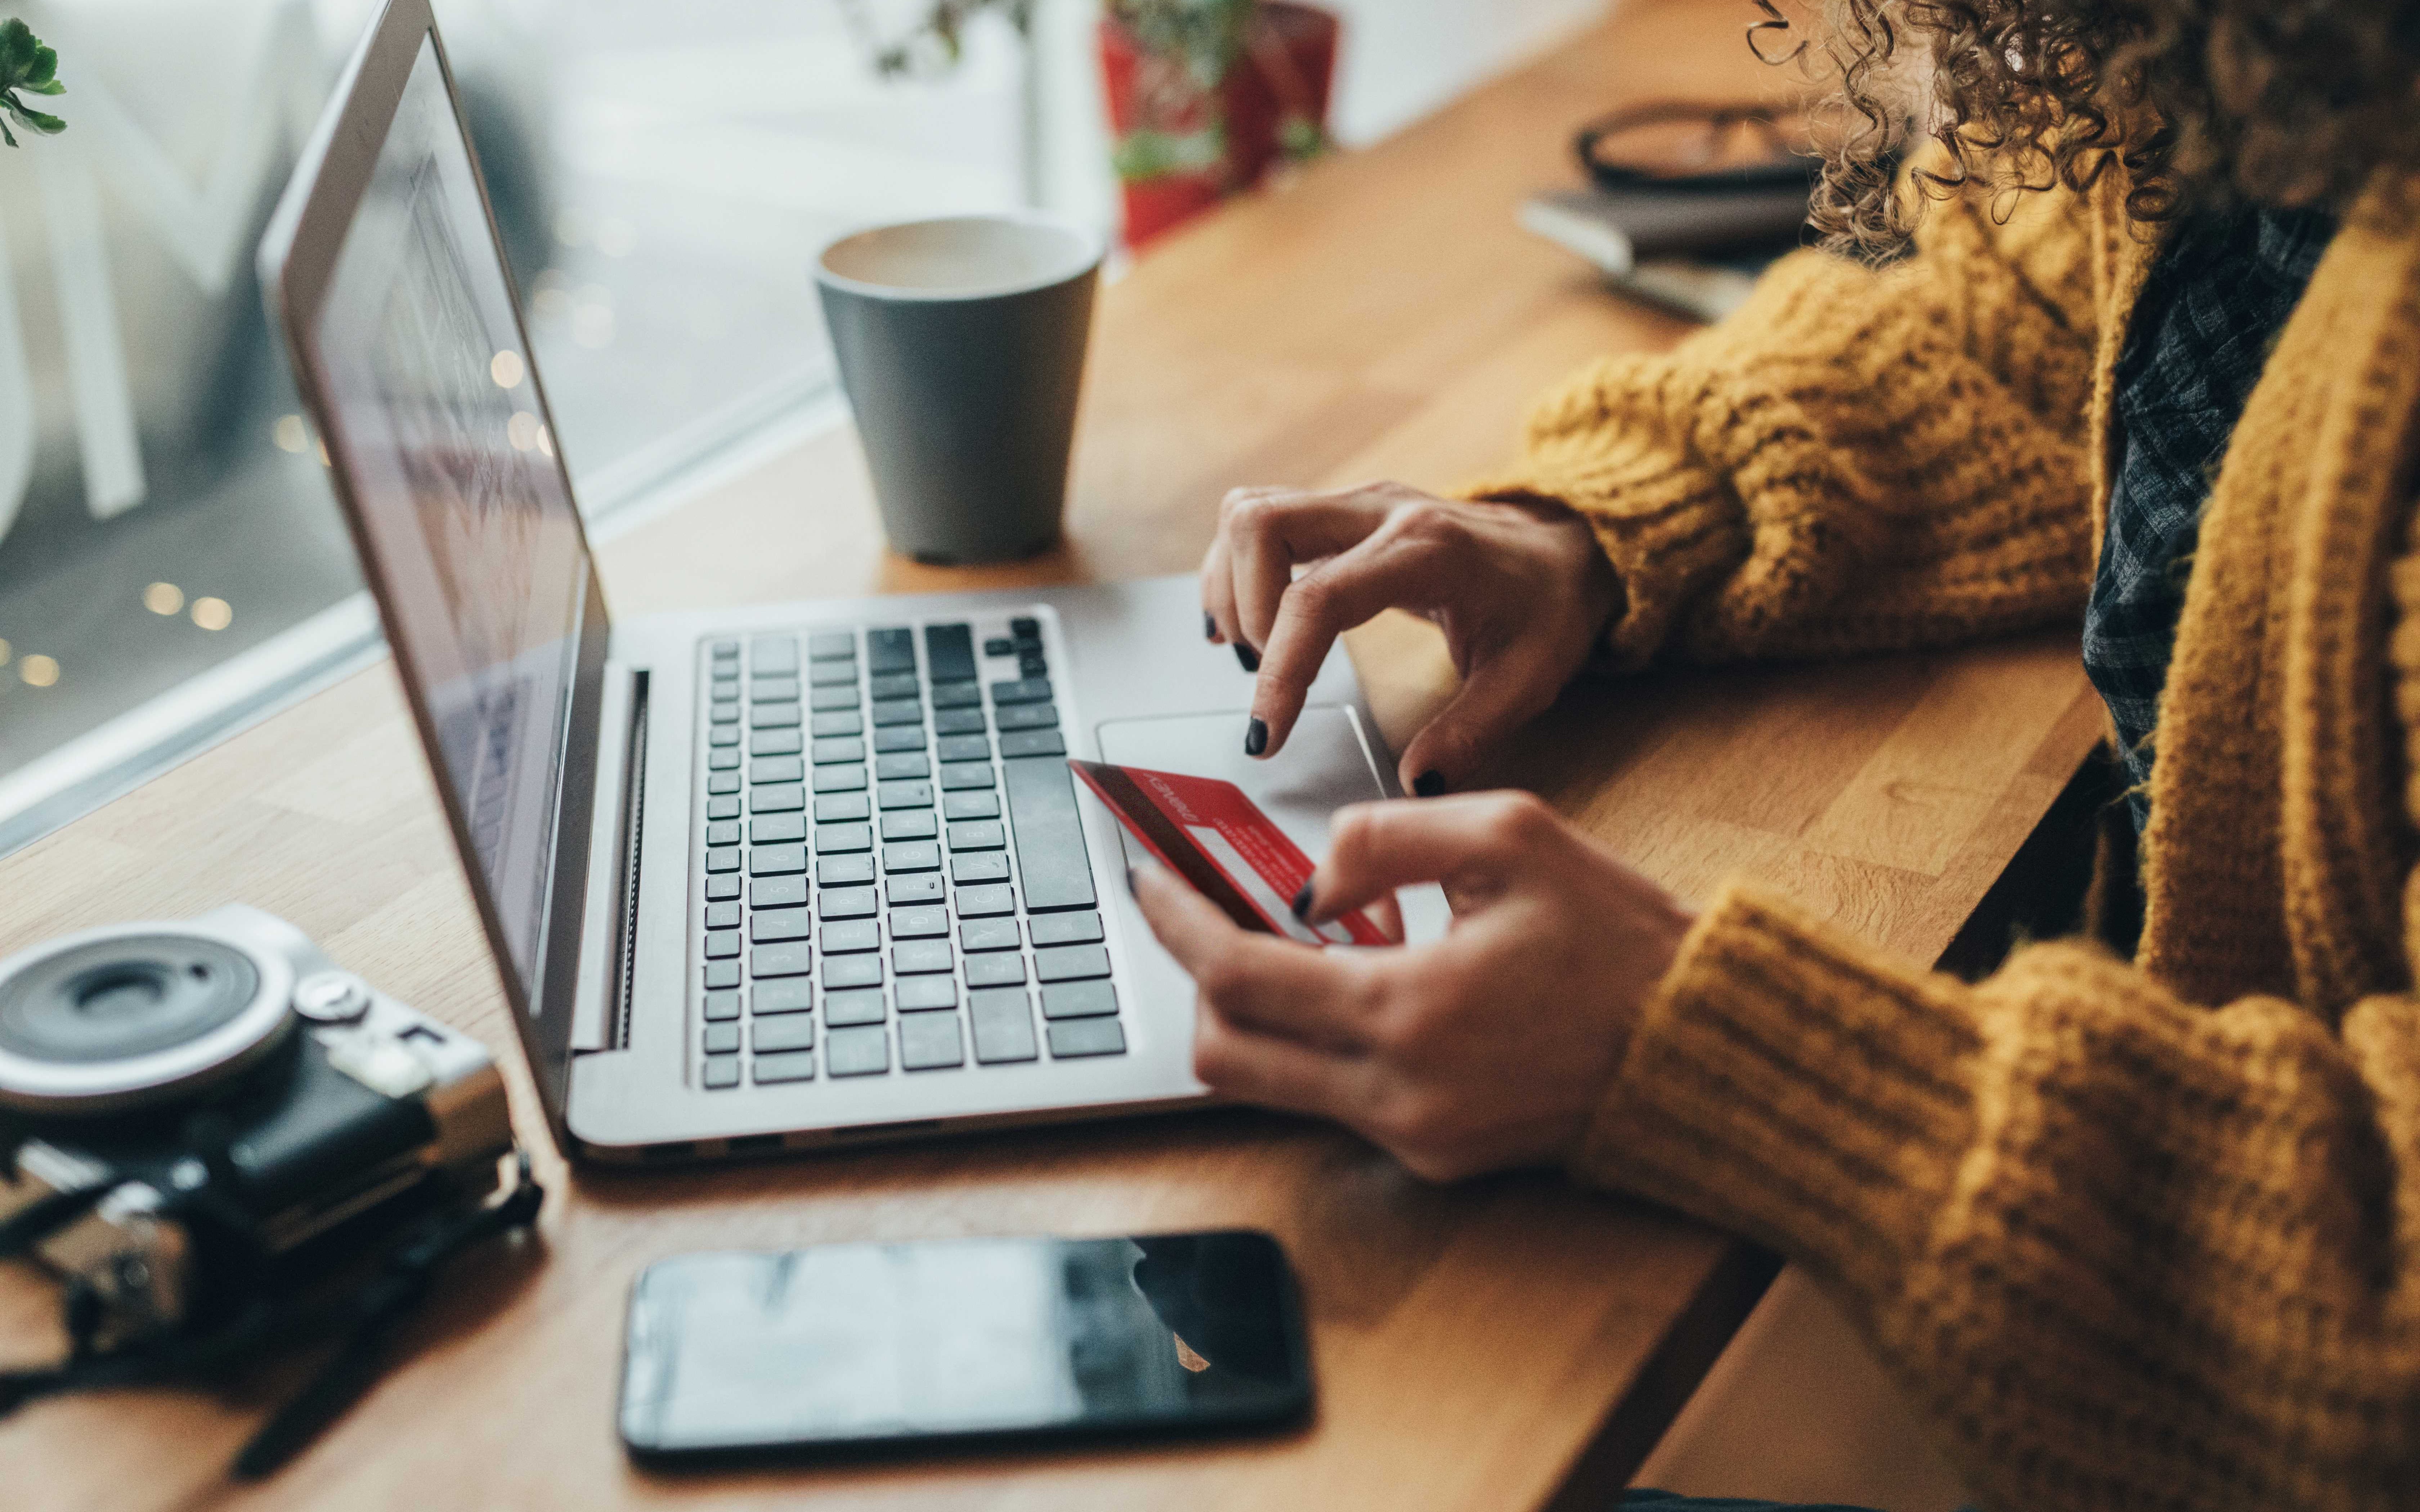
(895,872)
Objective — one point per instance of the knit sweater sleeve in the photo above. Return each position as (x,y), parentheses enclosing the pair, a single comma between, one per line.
(2131,1252)
(1857,459)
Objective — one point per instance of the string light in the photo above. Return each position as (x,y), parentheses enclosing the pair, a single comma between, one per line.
(289,433)
(212,613)
(164,598)
(505,367)
(39,670)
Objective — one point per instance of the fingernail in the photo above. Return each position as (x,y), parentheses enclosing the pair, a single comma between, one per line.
(1250,658)
(1209,628)
(1256,737)
(1302,903)
(1428,785)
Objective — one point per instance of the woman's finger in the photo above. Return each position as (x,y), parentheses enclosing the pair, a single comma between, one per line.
(1249,1066)
(1381,573)
(1498,697)
(1218,590)
(1472,843)
(1275,985)
(1270,531)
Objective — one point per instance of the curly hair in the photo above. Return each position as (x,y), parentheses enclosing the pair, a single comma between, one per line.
(2204,103)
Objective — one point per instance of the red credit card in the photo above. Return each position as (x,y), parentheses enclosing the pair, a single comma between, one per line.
(1219,841)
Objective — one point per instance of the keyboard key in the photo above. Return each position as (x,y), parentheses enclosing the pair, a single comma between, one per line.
(1024,690)
(780,960)
(1000,645)
(916,957)
(724,859)
(986,901)
(923,888)
(837,722)
(845,870)
(1078,1000)
(827,645)
(775,743)
(1066,929)
(725,687)
(924,994)
(832,700)
(959,776)
(726,649)
(864,1052)
(721,945)
(891,650)
(1071,1039)
(901,766)
(773,690)
(913,856)
(721,974)
(958,696)
(833,674)
(840,779)
(861,1005)
(720,890)
(772,1070)
(720,1008)
(724,807)
(851,973)
(773,654)
(842,840)
(1025,628)
(774,926)
(722,761)
(723,784)
(1003,1025)
(1004,969)
(778,892)
(776,829)
(776,860)
(1050,855)
(978,835)
(988,935)
(847,903)
(950,651)
(970,805)
(722,916)
(725,714)
(957,721)
(979,867)
(893,685)
(1071,962)
(851,935)
(910,825)
(1033,743)
(1032,665)
(792,994)
(897,738)
(919,923)
(721,1039)
(842,808)
(795,1032)
(965,749)
(1026,717)
(773,715)
(721,1073)
(837,748)
(905,795)
(898,711)
(778,799)
(777,769)
(728,734)
(929,1042)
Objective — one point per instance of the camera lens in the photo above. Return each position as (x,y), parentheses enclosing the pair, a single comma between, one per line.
(113,1000)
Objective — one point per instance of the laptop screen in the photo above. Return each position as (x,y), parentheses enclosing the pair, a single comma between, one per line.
(434,409)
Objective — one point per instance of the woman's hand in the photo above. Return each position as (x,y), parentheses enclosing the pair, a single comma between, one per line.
(1489,1048)
(1521,591)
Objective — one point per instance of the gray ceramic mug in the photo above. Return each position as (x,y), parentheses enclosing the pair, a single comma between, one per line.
(961,343)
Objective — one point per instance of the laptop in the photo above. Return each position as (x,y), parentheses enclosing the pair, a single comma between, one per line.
(770,878)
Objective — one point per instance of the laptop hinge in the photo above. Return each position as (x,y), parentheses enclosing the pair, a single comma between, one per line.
(610,915)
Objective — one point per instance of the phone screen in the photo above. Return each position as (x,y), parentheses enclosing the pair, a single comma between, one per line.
(858,1346)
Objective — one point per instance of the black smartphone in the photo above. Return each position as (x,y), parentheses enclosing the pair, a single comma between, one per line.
(862,1348)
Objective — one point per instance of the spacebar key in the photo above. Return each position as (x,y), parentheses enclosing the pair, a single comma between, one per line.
(1050,853)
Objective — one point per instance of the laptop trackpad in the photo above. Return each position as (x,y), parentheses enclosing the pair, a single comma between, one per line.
(1326,764)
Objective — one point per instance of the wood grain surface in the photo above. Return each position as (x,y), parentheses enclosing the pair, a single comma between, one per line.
(1505,1343)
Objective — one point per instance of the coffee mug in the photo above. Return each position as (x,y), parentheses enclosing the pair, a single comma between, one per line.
(961,345)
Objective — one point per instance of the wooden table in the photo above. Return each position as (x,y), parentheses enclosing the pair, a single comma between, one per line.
(1510,1342)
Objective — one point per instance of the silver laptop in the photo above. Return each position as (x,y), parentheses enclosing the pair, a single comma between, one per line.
(758,879)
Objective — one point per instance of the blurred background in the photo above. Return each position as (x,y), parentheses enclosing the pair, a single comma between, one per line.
(171,562)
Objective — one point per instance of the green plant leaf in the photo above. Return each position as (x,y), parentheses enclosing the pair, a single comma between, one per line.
(28,66)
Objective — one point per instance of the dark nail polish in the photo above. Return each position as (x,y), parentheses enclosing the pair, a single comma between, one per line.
(1428,785)
(1302,903)
(1250,658)
(1130,885)
(1256,737)
(1209,628)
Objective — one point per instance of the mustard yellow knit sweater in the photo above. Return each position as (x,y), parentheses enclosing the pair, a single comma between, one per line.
(2136,1234)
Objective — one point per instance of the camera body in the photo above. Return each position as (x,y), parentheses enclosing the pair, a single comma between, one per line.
(221,1116)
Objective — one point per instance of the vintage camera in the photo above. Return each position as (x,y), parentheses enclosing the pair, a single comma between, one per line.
(199,1120)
